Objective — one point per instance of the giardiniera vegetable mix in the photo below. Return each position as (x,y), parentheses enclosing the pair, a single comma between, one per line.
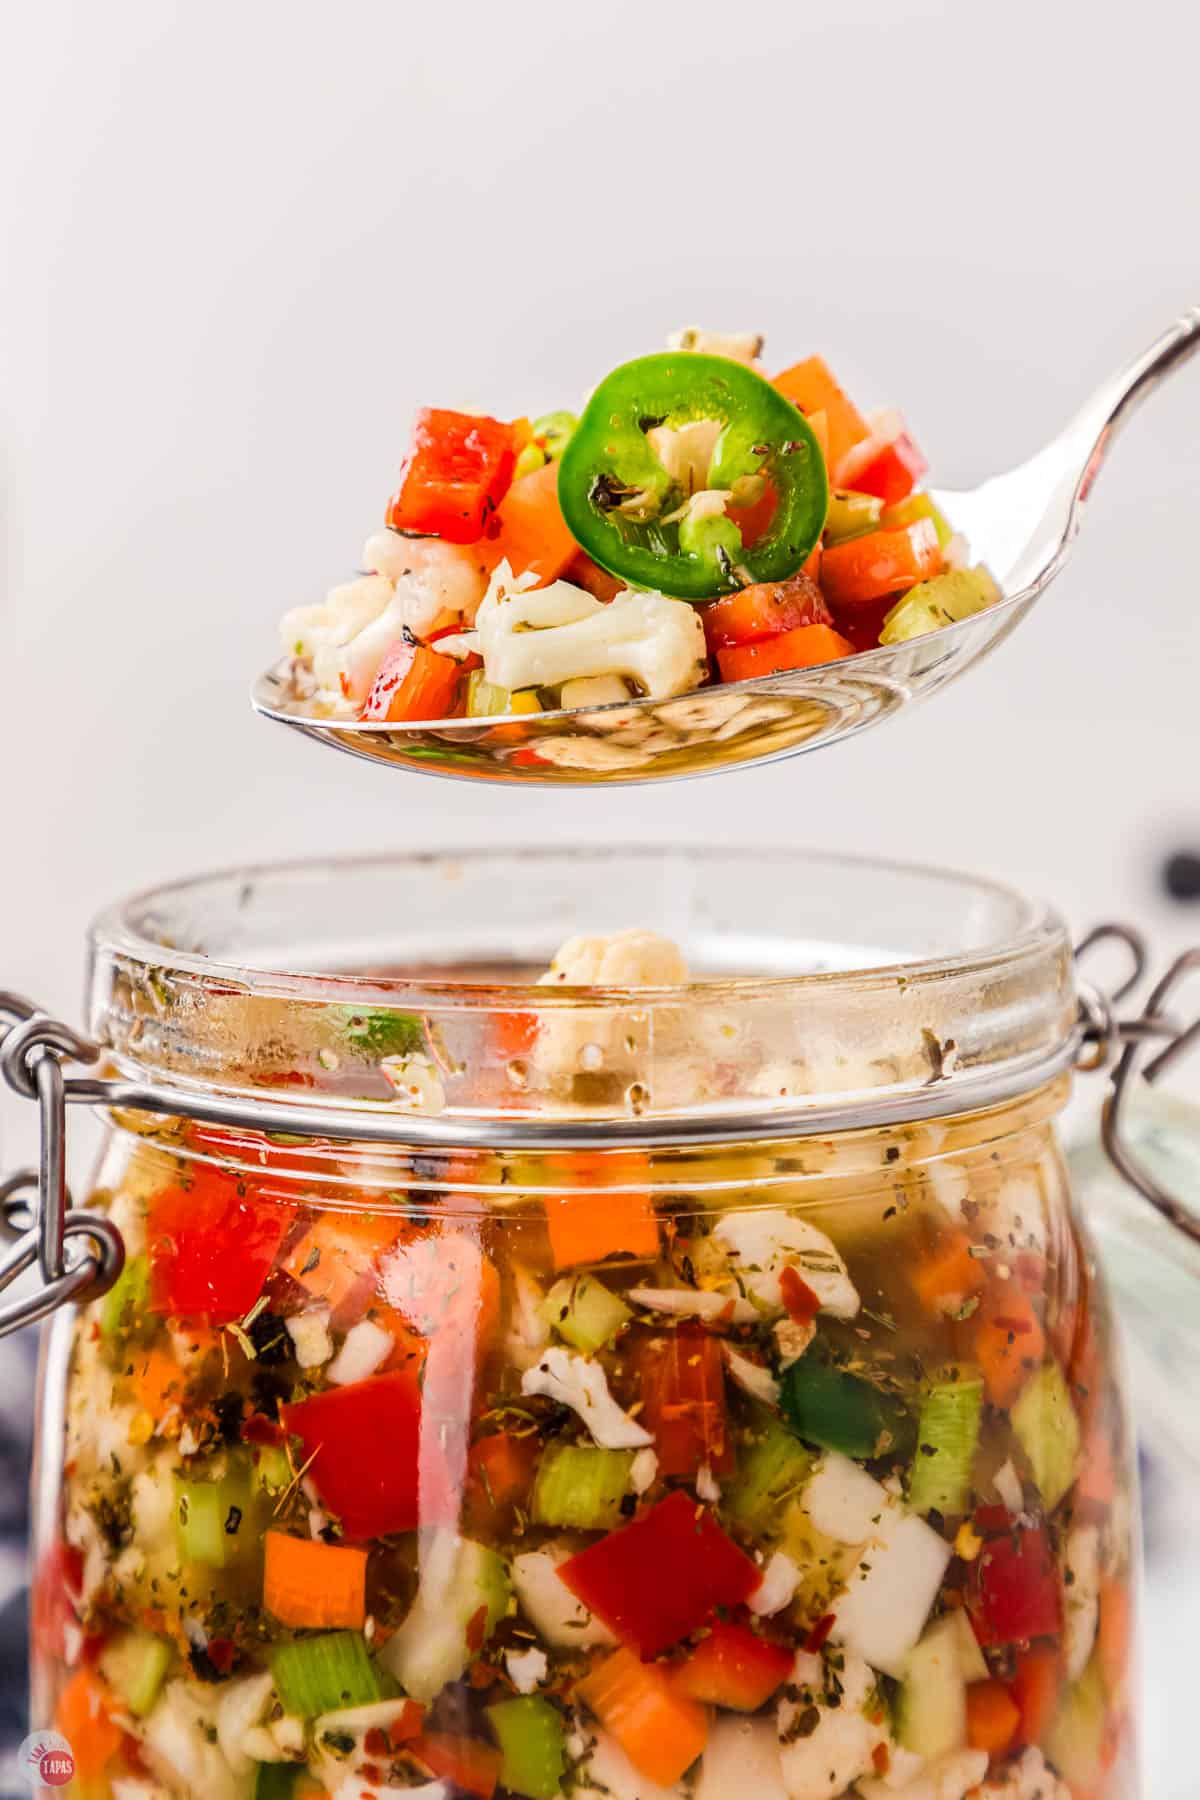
(698,523)
(572,1491)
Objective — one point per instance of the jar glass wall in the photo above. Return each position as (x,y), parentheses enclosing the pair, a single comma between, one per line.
(788,1461)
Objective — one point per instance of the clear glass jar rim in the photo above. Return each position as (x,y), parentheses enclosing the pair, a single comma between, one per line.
(122,929)
(820,981)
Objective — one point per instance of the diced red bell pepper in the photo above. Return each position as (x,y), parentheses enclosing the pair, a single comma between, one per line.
(657,1580)
(212,1245)
(455,474)
(802,1304)
(764,611)
(466,1763)
(681,1383)
(881,562)
(56,1599)
(413,682)
(888,466)
(1013,1591)
(374,1466)
(805,648)
(861,625)
(733,1667)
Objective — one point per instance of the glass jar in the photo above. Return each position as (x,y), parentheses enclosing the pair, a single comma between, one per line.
(701,1388)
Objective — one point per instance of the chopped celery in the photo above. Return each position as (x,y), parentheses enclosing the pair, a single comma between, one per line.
(1048,1431)
(947,1436)
(931,1707)
(555,429)
(850,516)
(581,1486)
(942,600)
(459,1579)
(487,701)
(1075,1740)
(272,1471)
(532,1745)
(211,1522)
(376,1032)
(917,506)
(123,1308)
(316,1675)
(838,1410)
(584,1312)
(772,1466)
(135,1665)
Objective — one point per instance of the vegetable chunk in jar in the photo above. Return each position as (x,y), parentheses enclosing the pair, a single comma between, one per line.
(714,1397)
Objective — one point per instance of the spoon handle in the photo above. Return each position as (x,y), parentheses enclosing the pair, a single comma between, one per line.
(1091,432)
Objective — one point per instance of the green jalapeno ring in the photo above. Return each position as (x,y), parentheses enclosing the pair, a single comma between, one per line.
(619,500)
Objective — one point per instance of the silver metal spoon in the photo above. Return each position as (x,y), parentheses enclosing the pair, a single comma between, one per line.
(1021,524)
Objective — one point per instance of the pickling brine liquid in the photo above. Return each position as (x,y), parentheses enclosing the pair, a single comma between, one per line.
(791,1470)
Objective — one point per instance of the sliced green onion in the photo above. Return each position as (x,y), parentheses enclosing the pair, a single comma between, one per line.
(316,1675)
(532,1744)
(211,1519)
(947,1437)
(124,1307)
(832,1407)
(135,1665)
(772,1467)
(584,1312)
(1048,1432)
(581,1487)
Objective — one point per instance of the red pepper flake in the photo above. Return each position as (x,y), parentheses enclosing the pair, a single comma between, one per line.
(477,1629)
(407,1725)
(881,1756)
(258,1429)
(376,1742)
(802,1304)
(221,1653)
(820,1633)
(371,1772)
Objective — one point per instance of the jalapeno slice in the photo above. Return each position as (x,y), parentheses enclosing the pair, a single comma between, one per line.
(641,521)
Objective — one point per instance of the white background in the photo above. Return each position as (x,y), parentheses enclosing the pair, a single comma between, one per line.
(242,241)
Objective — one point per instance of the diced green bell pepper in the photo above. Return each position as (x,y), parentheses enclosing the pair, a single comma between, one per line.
(838,1410)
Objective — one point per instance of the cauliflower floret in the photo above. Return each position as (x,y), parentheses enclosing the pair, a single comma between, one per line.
(841,1746)
(415,584)
(526,1669)
(632,958)
(738,346)
(1028,1779)
(581,1384)
(760,1244)
(560,633)
(949,1777)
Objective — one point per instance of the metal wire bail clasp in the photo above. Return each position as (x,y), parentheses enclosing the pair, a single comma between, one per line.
(35,1211)
(1144,1044)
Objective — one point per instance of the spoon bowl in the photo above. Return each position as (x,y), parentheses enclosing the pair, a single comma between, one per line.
(1021,524)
